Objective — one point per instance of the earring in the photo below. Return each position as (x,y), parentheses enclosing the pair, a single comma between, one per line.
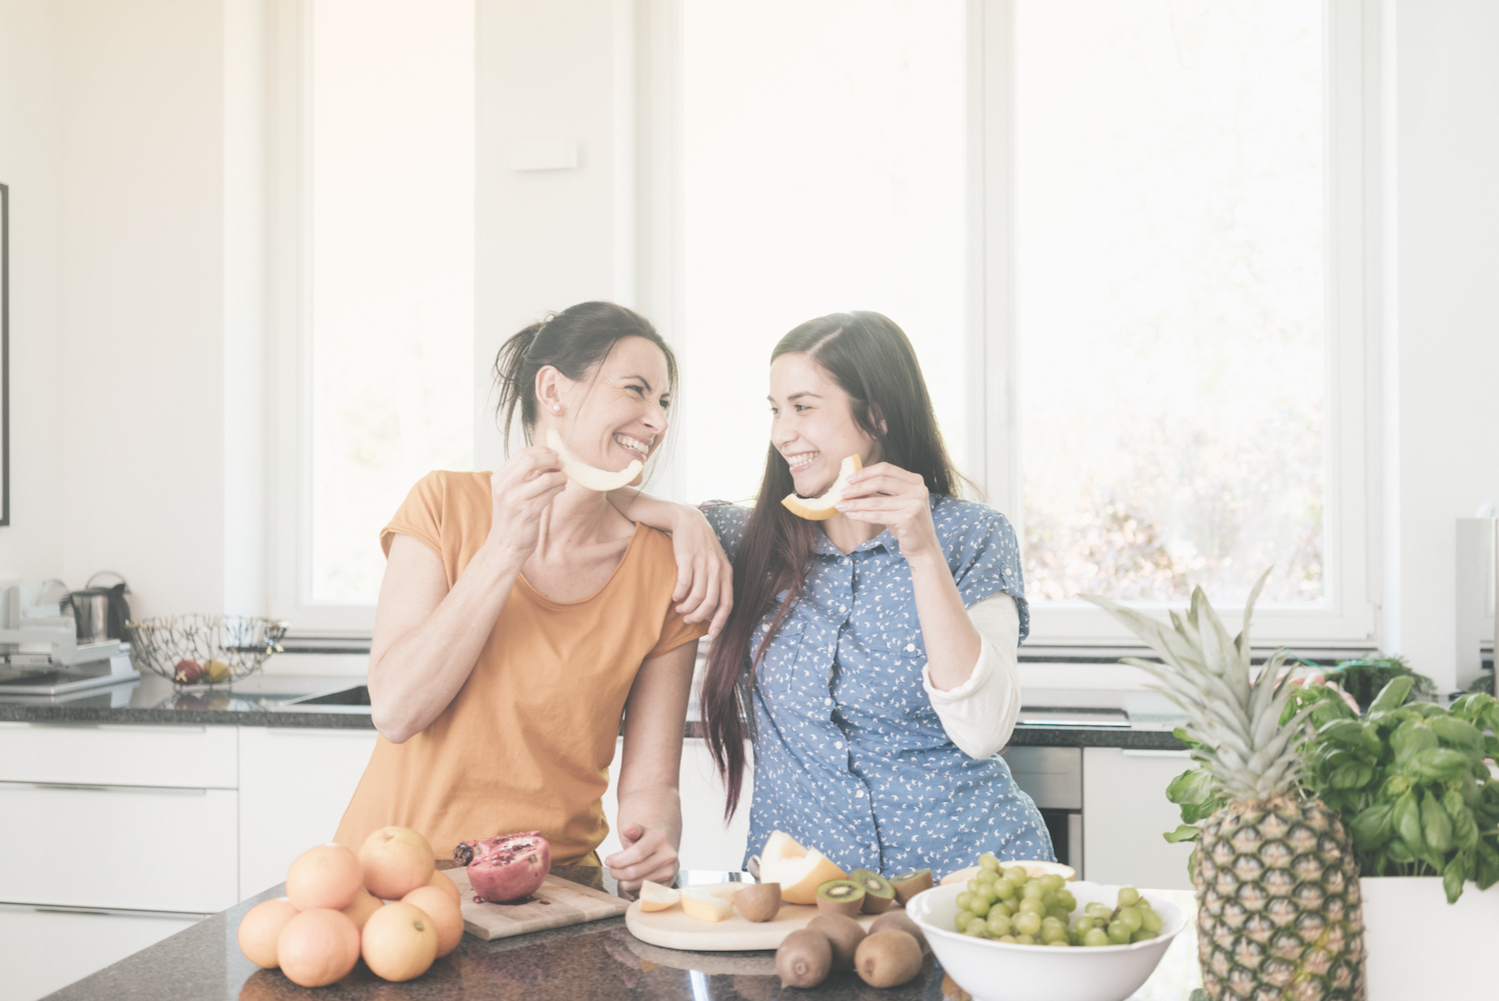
(556,408)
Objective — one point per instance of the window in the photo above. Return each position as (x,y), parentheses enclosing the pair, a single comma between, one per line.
(1127,240)
(818,178)
(383,375)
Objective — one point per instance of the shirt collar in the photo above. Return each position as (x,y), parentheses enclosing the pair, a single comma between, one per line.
(884,540)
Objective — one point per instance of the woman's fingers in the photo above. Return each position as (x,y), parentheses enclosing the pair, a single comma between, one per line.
(650,856)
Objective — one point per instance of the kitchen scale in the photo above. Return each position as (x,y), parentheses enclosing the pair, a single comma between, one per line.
(40,653)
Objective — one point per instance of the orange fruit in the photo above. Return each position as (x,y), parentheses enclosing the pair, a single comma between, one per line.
(318,947)
(261,927)
(365,904)
(396,860)
(443,911)
(445,883)
(325,877)
(399,942)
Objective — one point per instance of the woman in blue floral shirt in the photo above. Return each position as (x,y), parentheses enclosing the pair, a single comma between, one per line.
(872,654)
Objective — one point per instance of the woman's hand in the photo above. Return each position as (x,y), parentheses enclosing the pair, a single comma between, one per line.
(883,494)
(705,577)
(647,854)
(520,492)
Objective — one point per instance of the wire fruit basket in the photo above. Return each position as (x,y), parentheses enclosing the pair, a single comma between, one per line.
(204,649)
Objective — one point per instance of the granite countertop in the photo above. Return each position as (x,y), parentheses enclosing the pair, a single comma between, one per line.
(599,961)
(1073,717)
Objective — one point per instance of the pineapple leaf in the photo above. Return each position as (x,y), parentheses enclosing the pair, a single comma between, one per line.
(1254,596)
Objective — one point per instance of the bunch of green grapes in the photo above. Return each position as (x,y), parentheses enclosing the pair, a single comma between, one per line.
(1009,906)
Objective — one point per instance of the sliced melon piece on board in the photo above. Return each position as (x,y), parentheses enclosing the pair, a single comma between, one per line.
(655,897)
(588,476)
(714,902)
(800,871)
(821,508)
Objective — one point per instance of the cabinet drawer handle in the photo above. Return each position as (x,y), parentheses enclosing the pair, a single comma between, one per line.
(81,787)
(1131,752)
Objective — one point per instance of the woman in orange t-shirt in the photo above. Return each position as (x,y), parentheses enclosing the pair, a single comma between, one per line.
(521,617)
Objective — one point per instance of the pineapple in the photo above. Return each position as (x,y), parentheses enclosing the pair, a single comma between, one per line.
(1278,911)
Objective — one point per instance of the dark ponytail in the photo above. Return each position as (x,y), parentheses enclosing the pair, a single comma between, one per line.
(573,342)
(873,361)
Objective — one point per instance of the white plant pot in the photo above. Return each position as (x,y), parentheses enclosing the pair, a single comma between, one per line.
(1420,946)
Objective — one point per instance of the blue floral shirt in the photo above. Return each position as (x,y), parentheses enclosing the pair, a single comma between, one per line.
(850,757)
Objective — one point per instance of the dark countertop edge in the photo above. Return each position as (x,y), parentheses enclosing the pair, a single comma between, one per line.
(1024,736)
(41,713)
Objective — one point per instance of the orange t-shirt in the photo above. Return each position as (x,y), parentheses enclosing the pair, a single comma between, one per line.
(527,741)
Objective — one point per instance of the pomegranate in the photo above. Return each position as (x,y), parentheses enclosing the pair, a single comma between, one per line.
(506,867)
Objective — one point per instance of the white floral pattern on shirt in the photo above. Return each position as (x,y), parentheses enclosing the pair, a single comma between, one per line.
(850,757)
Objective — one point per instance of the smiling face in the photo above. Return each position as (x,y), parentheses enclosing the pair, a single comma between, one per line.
(812,423)
(618,413)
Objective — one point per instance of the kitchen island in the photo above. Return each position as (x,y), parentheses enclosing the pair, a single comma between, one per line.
(598,961)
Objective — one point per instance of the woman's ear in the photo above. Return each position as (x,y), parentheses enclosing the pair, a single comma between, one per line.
(549,389)
(877,418)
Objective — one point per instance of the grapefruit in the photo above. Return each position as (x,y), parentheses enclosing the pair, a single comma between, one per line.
(445,883)
(821,508)
(399,942)
(365,903)
(260,929)
(396,860)
(588,476)
(327,876)
(800,871)
(443,910)
(318,947)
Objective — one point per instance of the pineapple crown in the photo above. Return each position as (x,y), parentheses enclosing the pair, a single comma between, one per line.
(1208,675)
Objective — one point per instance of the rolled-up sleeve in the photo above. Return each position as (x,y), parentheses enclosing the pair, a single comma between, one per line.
(979,715)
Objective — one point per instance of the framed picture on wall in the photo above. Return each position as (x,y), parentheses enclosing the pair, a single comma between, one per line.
(4,354)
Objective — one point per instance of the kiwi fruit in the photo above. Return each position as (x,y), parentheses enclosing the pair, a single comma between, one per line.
(840,896)
(908,884)
(804,958)
(878,893)
(902,921)
(758,901)
(887,958)
(843,933)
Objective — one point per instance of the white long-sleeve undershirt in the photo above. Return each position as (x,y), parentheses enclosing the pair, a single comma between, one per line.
(980,714)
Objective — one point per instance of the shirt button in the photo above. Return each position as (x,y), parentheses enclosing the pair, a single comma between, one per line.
(838,744)
(910,647)
(859,794)
(827,702)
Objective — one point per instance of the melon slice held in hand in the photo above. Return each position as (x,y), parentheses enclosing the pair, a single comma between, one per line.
(821,508)
(800,871)
(588,476)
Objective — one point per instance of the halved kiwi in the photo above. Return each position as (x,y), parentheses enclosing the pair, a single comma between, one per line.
(908,884)
(840,896)
(878,893)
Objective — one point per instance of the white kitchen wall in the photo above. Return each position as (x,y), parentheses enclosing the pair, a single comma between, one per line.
(31,165)
(1447,117)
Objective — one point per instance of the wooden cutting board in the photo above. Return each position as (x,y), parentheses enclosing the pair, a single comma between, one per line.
(559,902)
(673,929)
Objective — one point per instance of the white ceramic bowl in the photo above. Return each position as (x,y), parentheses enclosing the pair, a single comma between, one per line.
(997,971)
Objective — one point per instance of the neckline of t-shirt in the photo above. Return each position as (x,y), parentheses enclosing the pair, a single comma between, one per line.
(640,529)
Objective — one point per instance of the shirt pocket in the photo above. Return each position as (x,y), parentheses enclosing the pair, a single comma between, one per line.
(777,676)
(899,655)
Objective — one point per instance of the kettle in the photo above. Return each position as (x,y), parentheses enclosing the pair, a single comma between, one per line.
(100,613)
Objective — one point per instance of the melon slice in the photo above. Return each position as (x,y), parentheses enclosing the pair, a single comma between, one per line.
(800,871)
(1032,868)
(821,508)
(655,897)
(588,476)
(713,902)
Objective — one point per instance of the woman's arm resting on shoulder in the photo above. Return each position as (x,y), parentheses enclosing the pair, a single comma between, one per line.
(705,578)
(650,810)
(427,637)
(979,715)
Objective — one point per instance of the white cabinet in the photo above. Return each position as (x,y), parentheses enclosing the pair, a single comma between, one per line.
(707,843)
(104,824)
(294,784)
(43,950)
(1125,812)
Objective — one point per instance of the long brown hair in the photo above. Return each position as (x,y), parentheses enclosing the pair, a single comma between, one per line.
(873,361)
